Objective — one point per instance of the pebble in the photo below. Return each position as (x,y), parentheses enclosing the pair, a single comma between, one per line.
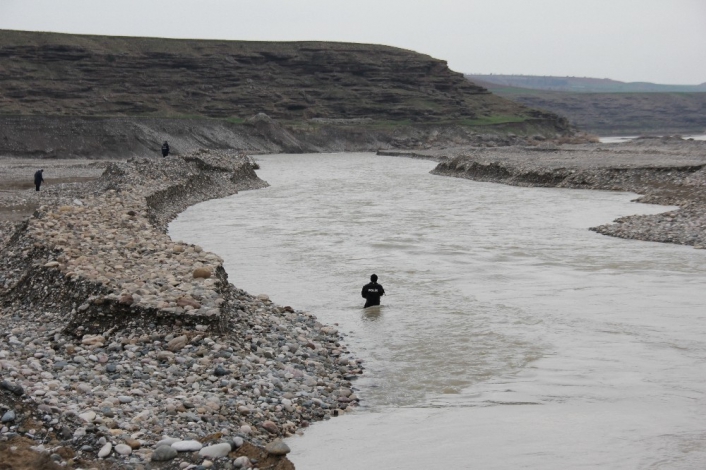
(123,449)
(277,447)
(163,453)
(215,451)
(8,417)
(105,450)
(88,416)
(245,429)
(14,388)
(242,462)
(167,441)
(133,443)
(270,427)
(187,446)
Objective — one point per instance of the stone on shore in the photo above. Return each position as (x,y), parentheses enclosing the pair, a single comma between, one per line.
(163,453)
(177,343)
(203,273)
(270,427)
(8,417)
(167,441)
(133,443)
(123,449)
(187,446)
(277,448)
(105,450)
(242,462)
(14,388)
(88,416)
(215,451)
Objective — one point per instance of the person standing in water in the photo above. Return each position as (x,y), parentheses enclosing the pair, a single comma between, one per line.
(372,292)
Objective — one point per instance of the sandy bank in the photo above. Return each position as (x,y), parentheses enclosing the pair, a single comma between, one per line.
(115,336)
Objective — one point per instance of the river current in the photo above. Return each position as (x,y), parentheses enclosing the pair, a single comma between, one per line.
(510,336)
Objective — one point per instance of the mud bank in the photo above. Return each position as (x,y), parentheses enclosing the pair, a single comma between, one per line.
(668,171)
(122,348)
(126,137)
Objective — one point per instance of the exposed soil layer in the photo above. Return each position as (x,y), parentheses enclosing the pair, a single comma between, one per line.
(51,137)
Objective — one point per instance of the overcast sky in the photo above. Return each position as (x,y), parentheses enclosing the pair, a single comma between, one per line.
(662,41)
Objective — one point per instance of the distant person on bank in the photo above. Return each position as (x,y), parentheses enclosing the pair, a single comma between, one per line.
(38,178)
(372,292)
(165,149)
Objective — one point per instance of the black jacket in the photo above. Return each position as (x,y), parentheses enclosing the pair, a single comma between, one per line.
(372,293)
(38,178)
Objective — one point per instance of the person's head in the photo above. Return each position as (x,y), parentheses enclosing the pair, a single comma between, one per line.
(374,278)
(41,171)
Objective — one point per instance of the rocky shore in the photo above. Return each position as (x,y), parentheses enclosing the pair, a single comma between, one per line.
(122,348)
(668,171)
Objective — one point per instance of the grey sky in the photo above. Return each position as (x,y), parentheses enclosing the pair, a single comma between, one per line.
(662,41)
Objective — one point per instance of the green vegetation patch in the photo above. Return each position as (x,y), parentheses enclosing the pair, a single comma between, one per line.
(377,124)
(492,120)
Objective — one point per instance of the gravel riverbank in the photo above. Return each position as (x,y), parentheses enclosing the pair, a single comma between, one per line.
(668,171)
(122,348)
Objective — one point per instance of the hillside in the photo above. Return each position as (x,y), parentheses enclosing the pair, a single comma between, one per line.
(64,95)
(616,113)
(74,75)
(582,84)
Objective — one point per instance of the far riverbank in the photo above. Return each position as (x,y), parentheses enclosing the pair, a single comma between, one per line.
(668,171)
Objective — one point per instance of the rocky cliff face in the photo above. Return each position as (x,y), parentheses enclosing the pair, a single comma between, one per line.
(61,74)
(94,96)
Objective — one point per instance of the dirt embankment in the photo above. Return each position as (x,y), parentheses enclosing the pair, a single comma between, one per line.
(50,137)
(668,171)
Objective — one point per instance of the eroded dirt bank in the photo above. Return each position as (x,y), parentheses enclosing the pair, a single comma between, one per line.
(668,171)
(126,137)
(122,348)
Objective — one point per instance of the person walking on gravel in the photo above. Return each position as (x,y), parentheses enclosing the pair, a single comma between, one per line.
(372,292)
(165,149)
(38,178)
